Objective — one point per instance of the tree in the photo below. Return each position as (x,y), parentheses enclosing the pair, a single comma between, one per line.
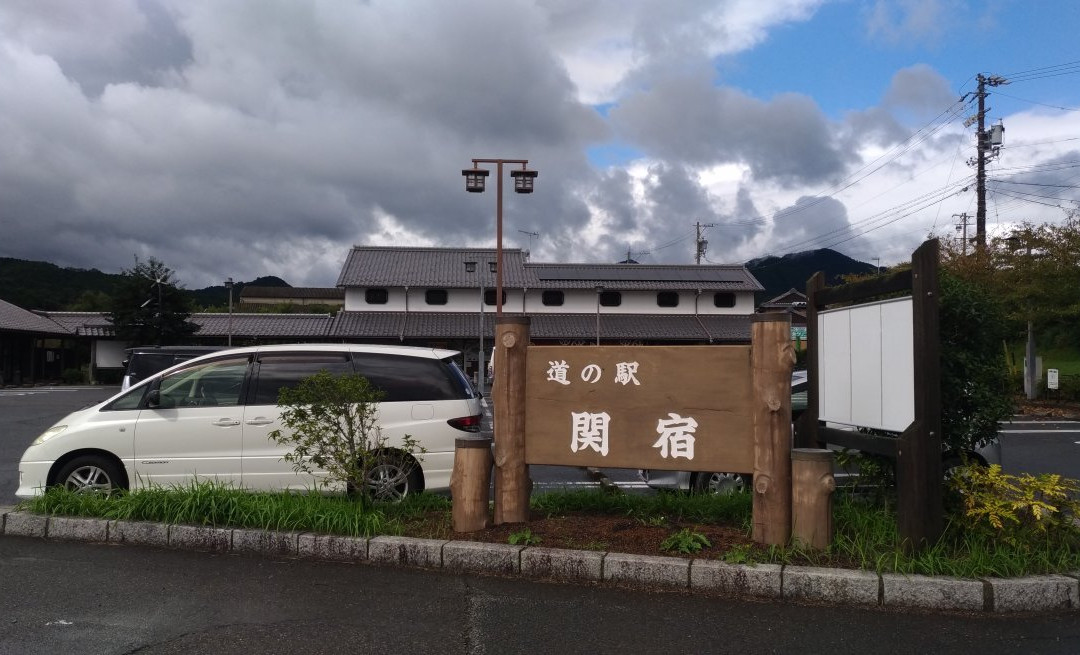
(91,301)
(332,426)
(149,306)
(1035,272)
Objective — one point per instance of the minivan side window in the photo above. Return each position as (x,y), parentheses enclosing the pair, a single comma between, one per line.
(214,383)
(130,400)
(404,378)
(287,369)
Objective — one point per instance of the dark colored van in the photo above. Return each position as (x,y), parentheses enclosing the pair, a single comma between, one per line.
(143,361)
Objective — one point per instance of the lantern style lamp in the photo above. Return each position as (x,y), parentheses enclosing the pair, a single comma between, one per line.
(474,179)
(523,180)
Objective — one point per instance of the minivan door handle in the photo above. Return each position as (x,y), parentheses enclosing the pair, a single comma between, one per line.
(226,422)
(259,420)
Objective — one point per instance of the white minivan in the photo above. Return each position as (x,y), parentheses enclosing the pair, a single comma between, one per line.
(209,419)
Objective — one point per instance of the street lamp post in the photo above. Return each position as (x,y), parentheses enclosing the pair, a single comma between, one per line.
(229,286)
(523,183)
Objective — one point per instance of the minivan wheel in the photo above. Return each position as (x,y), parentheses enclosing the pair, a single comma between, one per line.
(393,477)
(90,474)
(720,483)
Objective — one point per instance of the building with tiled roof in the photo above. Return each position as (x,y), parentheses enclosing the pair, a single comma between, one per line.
(257,295)
(442,297)
(446,297)
(24,340)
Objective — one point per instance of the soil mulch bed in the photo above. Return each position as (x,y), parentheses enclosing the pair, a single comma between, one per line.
(616,534)
(1050,409)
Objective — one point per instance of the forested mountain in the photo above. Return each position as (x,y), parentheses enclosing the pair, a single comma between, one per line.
(41,285)
(778,274)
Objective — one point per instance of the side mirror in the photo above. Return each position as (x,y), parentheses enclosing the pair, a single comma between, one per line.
(153,399)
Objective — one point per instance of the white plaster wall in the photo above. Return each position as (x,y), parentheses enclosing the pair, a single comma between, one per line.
(575,301)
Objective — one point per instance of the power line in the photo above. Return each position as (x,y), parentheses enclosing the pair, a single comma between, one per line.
(1035,102)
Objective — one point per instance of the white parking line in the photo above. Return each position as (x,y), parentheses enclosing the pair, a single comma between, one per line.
(1058,430)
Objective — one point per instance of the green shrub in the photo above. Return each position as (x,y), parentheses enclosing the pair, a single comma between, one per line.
(1014,508)
(685,541)
(974,378)
(73,376)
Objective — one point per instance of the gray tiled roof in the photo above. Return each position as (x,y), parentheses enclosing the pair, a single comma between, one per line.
(84,324)
(640,327)
(785,299)
(373,325)
(264,325)
(312,293)
(372,266)
(16,319)
(97,324)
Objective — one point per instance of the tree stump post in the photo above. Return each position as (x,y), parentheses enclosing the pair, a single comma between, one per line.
(470,481)
(812,485)
(772,358)
(512,483)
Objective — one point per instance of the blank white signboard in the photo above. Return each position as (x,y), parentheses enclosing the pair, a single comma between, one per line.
(866,362)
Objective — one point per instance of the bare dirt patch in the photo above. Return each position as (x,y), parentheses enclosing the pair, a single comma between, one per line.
(616,534)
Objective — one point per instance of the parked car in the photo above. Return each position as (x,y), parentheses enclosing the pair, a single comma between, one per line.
(143,361)
(209,419)
(722,482)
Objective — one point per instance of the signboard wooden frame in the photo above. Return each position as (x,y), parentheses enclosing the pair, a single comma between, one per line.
(917,450)
(657,407)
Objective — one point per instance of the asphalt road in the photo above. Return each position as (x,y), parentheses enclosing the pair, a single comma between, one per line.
(86,598)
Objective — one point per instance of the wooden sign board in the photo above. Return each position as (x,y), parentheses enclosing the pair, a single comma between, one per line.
(681,408)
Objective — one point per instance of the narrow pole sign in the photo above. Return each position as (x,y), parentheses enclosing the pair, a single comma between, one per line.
(660,407)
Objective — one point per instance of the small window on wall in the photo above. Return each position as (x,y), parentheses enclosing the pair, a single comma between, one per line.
(610,298)
(376,296)
(489,297)
(553,298)
(667,299)
(435,296)
(724,299)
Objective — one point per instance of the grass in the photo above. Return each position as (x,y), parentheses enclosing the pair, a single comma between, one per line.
(865,531)
(217,505)
(1066,360)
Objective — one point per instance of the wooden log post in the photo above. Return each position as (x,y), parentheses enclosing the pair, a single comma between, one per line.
(806,428)
(772,358)
(512,483)
(470,482)
(920,509)
(812,486)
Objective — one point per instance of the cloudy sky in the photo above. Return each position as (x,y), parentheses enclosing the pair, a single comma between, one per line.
(265,137)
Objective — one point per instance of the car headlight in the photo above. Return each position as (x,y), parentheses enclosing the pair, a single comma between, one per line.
(49,434)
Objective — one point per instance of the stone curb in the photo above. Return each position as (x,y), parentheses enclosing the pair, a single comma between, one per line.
(1043,593)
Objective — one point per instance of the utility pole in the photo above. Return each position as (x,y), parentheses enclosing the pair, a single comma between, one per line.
(985,143)
(702,244)
(962,226)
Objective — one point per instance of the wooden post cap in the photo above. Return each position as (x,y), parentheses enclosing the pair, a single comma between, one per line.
(473,442)
(770,317)
(811,454)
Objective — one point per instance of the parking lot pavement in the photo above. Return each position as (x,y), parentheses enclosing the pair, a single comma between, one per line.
(1040,445)
(25,412)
